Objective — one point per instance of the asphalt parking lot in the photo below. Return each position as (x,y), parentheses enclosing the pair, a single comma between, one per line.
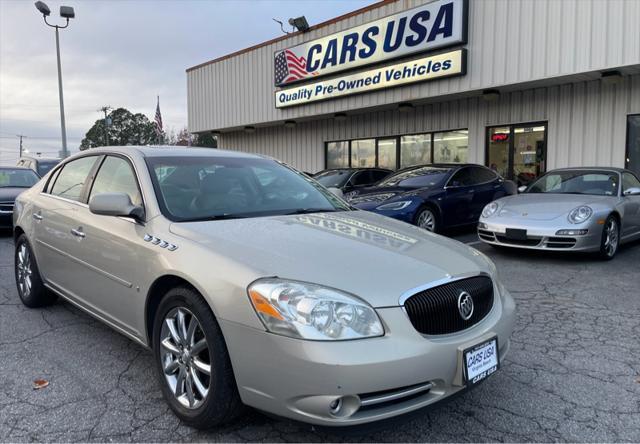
(573,373)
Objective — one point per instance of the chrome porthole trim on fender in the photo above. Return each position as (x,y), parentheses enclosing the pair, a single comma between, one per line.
(159,242)
(184,357)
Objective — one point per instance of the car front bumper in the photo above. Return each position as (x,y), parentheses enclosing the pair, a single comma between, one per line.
(541,235)
(375,378)
(6,219)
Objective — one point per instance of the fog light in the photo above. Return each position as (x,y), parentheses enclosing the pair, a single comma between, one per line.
(571,232)
(482,225)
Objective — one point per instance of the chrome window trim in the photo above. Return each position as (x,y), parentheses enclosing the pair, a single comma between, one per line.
(64,199)
(447,280)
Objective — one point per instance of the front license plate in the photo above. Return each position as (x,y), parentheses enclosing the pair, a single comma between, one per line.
(481,361)
(516,234)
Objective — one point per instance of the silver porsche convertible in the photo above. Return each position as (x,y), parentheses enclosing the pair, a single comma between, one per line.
(575,209)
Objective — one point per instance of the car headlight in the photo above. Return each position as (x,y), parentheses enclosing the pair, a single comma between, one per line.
(309,311)
(490,209)
(400,205)
(580,214)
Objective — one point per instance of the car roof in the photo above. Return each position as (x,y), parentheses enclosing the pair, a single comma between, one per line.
(588,168)
(355,169)
(38,159)
(21,168)
(172,151)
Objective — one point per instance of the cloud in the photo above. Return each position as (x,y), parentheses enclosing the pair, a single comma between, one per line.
(122,54)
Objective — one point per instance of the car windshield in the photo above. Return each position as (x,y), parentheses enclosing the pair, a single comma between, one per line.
(17,178)
(420,177)
(44,166)
(333,178)
(210,188)
(592,182)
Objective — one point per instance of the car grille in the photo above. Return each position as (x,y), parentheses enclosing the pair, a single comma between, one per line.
(435,311)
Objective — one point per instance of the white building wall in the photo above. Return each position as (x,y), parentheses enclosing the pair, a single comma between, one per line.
(510,42)
(586,125)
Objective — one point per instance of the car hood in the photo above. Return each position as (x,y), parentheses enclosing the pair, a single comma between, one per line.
(373,257)
(545,206)
(9,194)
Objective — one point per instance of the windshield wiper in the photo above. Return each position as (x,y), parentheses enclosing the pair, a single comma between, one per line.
(217,217)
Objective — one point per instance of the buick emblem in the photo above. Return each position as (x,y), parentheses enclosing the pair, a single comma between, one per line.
(465,305)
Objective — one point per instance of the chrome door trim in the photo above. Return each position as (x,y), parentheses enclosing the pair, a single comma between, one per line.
(91,267)
(64,199)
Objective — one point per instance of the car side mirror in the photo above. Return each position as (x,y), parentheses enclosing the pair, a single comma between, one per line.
(115,204)
(522,189)
(633,191)
(336,191)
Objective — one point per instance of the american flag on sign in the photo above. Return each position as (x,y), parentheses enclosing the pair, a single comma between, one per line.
(289,67)
(158,119)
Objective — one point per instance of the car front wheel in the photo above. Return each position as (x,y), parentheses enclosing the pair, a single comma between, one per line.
(192,360)
(428,220)
(610,238)
(31,289)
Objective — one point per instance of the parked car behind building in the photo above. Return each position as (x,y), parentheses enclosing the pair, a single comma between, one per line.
(435,196)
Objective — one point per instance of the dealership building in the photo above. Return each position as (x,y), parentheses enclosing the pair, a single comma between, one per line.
(521,86)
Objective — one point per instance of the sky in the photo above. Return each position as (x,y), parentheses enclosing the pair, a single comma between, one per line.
(122,53)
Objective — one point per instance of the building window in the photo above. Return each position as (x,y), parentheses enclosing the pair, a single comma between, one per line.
(451,146)
(633,144)
(363,153)
(338,154)
(415,149)
(402,151)
(517,152)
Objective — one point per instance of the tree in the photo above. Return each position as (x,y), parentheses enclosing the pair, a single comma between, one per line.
(126,128)
(205,140)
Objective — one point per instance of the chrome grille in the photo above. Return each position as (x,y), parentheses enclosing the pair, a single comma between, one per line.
(435,311)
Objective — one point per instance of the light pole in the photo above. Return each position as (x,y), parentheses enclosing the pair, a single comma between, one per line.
(67,13)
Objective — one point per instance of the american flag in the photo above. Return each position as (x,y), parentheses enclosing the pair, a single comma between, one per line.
(158,120)
(289,67)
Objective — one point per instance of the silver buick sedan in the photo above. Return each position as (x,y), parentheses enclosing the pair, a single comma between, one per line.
(573,209)
(254,285)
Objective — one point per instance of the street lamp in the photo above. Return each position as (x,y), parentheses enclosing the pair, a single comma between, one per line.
(66,12)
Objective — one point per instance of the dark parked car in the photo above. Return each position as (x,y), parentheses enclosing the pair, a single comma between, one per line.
(349,179)
(13,181)
(40,165)
(436,196)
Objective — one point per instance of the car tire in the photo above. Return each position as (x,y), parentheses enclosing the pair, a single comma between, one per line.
(183,376)
(29,283)
(427,218)
(610,240)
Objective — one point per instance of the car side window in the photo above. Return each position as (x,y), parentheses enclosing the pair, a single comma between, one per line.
(461,178)
(629,181)
(483,175)
(70,181)
(379,175)
(361,178)
(116,176)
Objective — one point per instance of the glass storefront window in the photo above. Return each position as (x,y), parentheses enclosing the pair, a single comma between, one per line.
(498,160)
(633,143)
(415,150)
(338,154)
(363,153)
(387,153)
(451,147)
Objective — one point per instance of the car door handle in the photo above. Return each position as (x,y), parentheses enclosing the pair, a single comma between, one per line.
(37,216)
(77,232)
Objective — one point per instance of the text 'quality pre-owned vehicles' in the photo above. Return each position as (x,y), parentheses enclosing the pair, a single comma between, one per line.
(573,209)
(13,181)
(253,284)
(434,196)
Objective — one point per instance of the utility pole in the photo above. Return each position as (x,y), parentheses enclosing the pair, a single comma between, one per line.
(107,122)
(21,136)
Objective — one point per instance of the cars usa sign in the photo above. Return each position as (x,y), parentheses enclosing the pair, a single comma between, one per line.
(434,25)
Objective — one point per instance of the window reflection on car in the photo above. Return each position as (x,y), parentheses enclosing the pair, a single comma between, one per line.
(597,183)
(416,177)
(209,188)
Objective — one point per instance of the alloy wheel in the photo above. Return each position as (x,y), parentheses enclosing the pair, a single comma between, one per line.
(24,270)
(611,237)
(185,357)
(427,220)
